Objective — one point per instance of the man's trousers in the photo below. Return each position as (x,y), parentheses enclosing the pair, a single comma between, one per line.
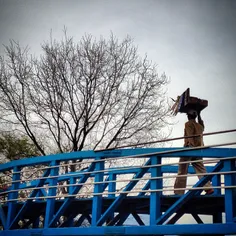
(180,182)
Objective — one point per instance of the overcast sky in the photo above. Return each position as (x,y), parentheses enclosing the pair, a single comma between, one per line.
(193,42)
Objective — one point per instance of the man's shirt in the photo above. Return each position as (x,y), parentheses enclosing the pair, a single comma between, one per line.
(193,128)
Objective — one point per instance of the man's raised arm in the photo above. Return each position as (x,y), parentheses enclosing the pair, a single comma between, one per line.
(200,121)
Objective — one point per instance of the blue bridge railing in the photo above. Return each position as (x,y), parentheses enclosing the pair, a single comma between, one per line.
(97,193)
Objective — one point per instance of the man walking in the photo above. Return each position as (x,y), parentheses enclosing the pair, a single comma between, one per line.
(192,128)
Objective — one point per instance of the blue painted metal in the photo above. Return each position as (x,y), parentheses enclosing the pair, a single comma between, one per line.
(3,218)
(123,218)
(178,204)
(13,195)
(68,200)
(175,218)
(119,199)
(26,206)
(138,219)
(216,181)
(155,198)
(72,181)
(41,193)
(112,185)
(97,199)
(197,218)
(108,215)
(230,194)
(200,229)
(146,187)
(114,220)
(111,190)
(50,208)
(164,152)
(105,184)
(80,220)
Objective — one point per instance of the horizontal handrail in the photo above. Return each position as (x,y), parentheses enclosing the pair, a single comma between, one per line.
(123,168)
(124,180)
(124,154)
(119,192)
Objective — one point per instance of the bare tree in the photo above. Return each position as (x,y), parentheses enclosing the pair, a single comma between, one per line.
(87,95)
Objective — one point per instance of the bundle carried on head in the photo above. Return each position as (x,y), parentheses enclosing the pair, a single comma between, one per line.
(185,103)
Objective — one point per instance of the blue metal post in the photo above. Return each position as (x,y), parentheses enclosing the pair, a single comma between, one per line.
(51,192)
(155,198)
(230,193)
(216,181)
(72,181)
(112,185)
(111,190)
(14,195)
(2,216)
(97,199)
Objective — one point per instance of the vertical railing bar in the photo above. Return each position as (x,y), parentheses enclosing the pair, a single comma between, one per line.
(97,200)
(13,195)
(155,197)
(230,194)
(50,205)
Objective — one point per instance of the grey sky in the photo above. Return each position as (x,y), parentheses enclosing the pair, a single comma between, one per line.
(193,41)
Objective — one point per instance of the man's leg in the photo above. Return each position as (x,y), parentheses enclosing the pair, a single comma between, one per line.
(180,182)
(200,168)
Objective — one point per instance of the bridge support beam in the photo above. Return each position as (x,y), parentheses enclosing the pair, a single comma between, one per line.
(110,211)
(13,195)
(216,181)
(98,188)
(51,192)
(230,193)
(155,198)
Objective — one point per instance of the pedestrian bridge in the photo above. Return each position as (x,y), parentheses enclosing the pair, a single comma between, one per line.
(118,192)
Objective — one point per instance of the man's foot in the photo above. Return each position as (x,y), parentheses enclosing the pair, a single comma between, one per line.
(209,191)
